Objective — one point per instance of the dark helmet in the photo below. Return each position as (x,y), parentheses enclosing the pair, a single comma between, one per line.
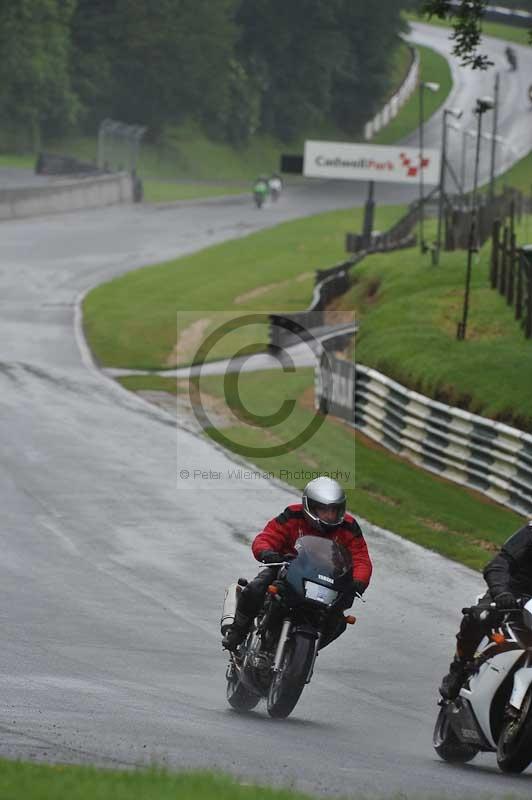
(320,497)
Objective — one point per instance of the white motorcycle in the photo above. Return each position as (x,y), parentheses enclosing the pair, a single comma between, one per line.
(493,711)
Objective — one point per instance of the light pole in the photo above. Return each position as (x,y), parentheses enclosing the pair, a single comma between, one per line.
(465,134)
(432,87)
(483,104)
(494,136)
(456,113)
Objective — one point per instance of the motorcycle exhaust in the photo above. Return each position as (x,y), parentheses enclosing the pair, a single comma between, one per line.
(229,607)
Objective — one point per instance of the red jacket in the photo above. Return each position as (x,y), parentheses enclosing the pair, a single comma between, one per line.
(282,532)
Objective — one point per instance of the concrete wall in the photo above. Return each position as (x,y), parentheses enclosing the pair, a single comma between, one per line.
(69,195)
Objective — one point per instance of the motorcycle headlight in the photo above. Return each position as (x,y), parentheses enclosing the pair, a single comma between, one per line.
(319,593)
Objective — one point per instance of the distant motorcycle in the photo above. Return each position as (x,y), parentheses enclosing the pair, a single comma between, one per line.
(260,192)
(275,185)
(493,712)
(277,659)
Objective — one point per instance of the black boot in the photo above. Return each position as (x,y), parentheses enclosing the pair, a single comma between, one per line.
(453,681)
(237,632)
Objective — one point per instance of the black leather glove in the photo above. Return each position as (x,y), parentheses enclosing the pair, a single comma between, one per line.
(505,600)
(270,557)
(359,587)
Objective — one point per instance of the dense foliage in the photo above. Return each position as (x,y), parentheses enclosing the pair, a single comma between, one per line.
(466,17)
(235,66)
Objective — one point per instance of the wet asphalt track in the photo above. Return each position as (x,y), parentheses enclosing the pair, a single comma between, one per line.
(111,576)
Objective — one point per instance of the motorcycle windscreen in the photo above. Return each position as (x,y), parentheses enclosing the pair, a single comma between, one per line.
(318,556)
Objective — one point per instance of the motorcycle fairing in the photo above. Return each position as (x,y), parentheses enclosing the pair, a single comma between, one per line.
(318,557)
(522,680)
(464,723)
(483,686)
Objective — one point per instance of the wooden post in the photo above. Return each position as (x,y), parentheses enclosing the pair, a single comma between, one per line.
(496,229)
(502,276)
(528,327)
(511,268)
(519,287)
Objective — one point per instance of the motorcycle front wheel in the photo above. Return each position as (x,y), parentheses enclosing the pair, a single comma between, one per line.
(514,747)
(238,697)
(447,744)
(288,683)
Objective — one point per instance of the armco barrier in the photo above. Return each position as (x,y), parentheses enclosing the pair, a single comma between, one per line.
(488,456)
(335,281)
(386,114)
(67,196)
(330,283)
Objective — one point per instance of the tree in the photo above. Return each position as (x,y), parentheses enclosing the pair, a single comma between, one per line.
(467,28)
(35,88)
(317,61)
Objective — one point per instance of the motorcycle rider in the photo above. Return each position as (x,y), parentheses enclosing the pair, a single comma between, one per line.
(275,185)
(509,576)
(511,57)
(261,189)
(321,513)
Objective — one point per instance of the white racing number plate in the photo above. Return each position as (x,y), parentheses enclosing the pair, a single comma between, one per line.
(322,594)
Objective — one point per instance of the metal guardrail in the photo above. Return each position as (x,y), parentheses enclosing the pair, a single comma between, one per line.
(391,109)
(470,450)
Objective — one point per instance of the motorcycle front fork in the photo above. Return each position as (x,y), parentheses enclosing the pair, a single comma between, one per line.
(281,644)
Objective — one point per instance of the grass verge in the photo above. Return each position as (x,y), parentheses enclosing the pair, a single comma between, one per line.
(434,67)
(131,321)
(519,176)
(56,782)
(460,524)
(490,373)
(167,192)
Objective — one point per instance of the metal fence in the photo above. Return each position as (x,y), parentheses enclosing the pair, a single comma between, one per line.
(511,273)
(488,456)
(118,145)
(400,235)
(458,217)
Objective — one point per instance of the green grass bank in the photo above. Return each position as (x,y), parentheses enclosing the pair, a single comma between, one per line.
(60,782)
(433,67)
(408,312)
(389,491)
(132,321)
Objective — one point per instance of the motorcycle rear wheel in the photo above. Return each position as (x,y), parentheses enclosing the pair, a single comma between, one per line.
(447,744)
(514,747)
(289,682)
(238,697)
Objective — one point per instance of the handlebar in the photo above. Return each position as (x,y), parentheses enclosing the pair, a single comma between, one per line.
(519,603)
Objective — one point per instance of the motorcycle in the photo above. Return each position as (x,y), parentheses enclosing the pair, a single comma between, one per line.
(493,711)
(275,185)
(277,658)
(260,193)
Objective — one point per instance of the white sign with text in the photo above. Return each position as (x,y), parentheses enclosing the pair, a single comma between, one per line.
(370,162)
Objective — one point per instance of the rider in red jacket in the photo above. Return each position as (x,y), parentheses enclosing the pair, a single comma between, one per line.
(322,513)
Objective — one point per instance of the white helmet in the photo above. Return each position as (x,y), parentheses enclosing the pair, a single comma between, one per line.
(324,494)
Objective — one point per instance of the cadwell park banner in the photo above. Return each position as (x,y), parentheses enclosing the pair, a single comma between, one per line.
(367,162)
